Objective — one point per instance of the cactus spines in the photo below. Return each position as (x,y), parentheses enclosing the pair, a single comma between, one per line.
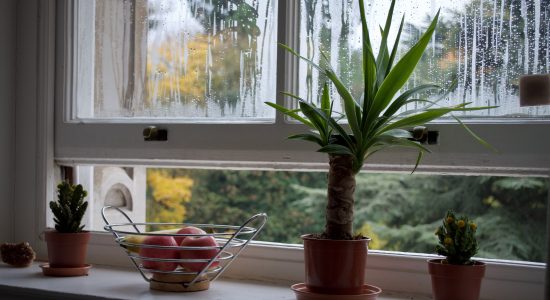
(457,239)
(69,208)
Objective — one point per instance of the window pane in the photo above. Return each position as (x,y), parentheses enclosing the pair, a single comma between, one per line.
(486,45)
(196,60)
(399,211)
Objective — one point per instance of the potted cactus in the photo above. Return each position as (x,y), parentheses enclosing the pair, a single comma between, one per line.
(457,276)
(335,259)
(67,244)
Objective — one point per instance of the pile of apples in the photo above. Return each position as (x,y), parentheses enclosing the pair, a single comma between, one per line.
(184,241)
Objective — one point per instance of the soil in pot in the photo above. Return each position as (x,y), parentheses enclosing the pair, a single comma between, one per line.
(335,266)
(456,282)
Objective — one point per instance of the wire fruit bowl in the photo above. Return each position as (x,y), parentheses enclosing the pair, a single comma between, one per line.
(182,268)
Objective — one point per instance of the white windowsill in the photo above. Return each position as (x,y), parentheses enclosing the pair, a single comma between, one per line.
(121,283)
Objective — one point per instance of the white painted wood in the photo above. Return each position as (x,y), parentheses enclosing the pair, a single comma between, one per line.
(7,117)
(85,43)
(130,285)
(392,271)
(547,274)
(520,143)
(34,119)
(26,138)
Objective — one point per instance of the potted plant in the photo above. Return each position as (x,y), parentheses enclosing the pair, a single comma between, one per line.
(456,277)
(376,121)
(67,244)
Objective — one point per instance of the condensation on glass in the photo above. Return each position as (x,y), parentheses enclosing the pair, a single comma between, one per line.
(183,59)
(485,44)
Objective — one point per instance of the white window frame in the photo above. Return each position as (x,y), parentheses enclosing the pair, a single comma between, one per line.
(522,150)
(44,58)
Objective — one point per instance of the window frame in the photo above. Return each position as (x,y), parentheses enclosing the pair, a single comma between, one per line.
(43,60)
(264,145)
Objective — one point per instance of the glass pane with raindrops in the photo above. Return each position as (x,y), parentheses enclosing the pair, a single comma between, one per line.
(211,60)
(482,45)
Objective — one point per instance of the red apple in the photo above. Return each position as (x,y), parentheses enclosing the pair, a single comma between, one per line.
(202,241)
(187,230)
(159,253)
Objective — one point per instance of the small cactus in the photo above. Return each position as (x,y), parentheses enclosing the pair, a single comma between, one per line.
(457,239)
(69,208)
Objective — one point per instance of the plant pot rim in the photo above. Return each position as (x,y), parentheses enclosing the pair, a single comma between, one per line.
(438,261)
(52,232)
(310,237)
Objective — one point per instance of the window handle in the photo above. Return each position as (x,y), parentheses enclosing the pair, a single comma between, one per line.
(424,136)
(152,133)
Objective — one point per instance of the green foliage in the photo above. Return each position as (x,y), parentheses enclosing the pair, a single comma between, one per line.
(457,239)
(374,120)
(69,208)
(401,210)
(231,197)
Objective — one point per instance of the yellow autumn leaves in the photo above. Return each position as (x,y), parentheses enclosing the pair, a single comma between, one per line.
(169,194)
(177,71)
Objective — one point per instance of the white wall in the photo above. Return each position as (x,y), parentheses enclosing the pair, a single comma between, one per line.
(7,117)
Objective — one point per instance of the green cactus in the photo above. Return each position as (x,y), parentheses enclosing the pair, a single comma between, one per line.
(457,239)
(69,208)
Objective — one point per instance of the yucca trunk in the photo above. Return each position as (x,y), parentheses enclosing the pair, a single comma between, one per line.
(341,187)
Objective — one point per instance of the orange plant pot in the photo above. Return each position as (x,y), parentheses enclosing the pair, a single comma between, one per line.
(335,267)
(456,282)
(67,250)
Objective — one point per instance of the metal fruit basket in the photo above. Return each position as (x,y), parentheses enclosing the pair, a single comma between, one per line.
(231,240)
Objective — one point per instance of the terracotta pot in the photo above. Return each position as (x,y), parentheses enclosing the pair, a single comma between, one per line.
(456,282)
(67,250)
(335,266)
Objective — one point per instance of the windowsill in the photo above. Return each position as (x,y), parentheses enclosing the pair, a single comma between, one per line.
(119,283)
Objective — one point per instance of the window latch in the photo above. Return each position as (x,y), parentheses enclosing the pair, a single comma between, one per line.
(152,133)
(422,135)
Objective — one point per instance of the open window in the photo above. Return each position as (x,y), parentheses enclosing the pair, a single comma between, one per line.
(201,70)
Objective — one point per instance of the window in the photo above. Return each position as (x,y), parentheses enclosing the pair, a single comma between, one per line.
(187,60)
(113,137)
(399,212)
(112,90)
(484,45)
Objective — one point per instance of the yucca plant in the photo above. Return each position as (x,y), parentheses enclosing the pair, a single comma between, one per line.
(69,208)
(376,120)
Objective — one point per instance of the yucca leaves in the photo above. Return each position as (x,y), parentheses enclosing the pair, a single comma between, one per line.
(474,135)
(336,149)
(383,56)
(377,121)
(309,61)
(311,137)
(351,107)
(369,62)
(291,113)
(399,74)
(394,50)
(400,101)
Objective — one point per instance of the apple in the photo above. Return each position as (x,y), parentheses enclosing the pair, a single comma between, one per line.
(201,241)
(159,253)
(187,230)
